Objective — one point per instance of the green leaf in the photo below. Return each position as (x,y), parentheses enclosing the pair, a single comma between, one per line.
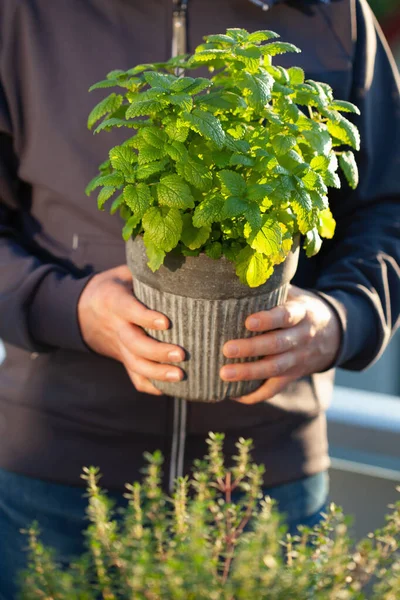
(139,108)
(327,224)
(104,194)
(173,191)
(121,158)
(349,167)
(199,84)
(221,38)
(320,163)
(342,105)
(195,172)
(296,75)
(155,255)
(161,80)
(275,48)
(232,183)
(146,171)
(110,179)
(154,136)
(163,226)
(253,216)
(301,204)
(208,211)
(267,239)
(138,198)
(107,105)
(261,36)
(241,159)
(312,242)
(148,154)
(234,207)
(206,125)
(176,150)
(253,268)
(108,124)
(282,143)
(129,227)
(344,131)
(214,250)
(221,99)
(176,130)
(319,140)
(184,101)
(258,191)
(192,236)
(259,88)
(117,203)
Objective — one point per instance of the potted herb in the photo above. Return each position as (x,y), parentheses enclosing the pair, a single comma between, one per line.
(219,180)
(215,538)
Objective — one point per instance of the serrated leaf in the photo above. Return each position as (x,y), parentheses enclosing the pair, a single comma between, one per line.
(349,167)
(241,159)
(253,268)
(312,242)
(176,130)
(199,84)
(221,99)
(105,193)
(148,154)
(267,239)
(139,108)
(296,75)
(107,105)
(283,143)
(232,183)
(154,136)
(138,198)
(259,89)
(163,226)
(319,201)
(206,125)
(214,250)
(116,73)
(161,80)
(342,105)
(253,216)
(129,227)
(220,38)
(258,191)
(194,237)
(176,150)
(234,207)
(110,179)
(150,169)
(121,158)
(344,131)
(319,140)
(301,204)
(184,101)
(320,163)
(208,211)
(261,36)
(117,203)
(155,255)
(275,48)
(241,146)
(211,54)
(173,191)
(195,172)
(327,224)
(108,124)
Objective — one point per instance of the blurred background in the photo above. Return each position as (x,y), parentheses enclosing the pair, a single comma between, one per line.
(364,420)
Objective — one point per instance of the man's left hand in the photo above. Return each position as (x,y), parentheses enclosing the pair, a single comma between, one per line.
(298,338)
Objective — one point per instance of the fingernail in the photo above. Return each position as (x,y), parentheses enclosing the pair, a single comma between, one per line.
(173,376)
(232,350)
(175,355)
(253,323)
(229,372)
(160,323)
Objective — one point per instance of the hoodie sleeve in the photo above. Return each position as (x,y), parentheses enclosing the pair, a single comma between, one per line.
(360,273)
(38,295)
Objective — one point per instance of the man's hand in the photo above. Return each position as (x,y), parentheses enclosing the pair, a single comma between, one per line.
(111,322)
(299,338)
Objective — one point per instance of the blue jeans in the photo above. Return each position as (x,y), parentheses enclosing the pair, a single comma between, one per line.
(60,511)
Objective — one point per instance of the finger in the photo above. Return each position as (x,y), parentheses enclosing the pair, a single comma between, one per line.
(268,390)
(261,369)
(135,340)
(131,310)
(142,384)
(274,342)
(151,370)
(281,317)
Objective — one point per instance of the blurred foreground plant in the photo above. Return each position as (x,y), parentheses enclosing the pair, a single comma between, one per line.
(205,544)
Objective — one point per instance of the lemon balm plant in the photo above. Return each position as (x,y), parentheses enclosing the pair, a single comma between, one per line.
(216,537)
(234,167)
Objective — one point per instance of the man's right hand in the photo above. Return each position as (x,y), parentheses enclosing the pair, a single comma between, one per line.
(111,321)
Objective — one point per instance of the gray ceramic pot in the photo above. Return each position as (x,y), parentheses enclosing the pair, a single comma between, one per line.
(207,306)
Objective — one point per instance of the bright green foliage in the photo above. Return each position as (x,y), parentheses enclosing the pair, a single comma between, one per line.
(215,537)
(234,165)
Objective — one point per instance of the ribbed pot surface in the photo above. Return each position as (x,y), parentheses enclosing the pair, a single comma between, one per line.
(207,306)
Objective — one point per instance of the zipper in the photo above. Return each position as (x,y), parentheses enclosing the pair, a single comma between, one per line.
(179,46)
